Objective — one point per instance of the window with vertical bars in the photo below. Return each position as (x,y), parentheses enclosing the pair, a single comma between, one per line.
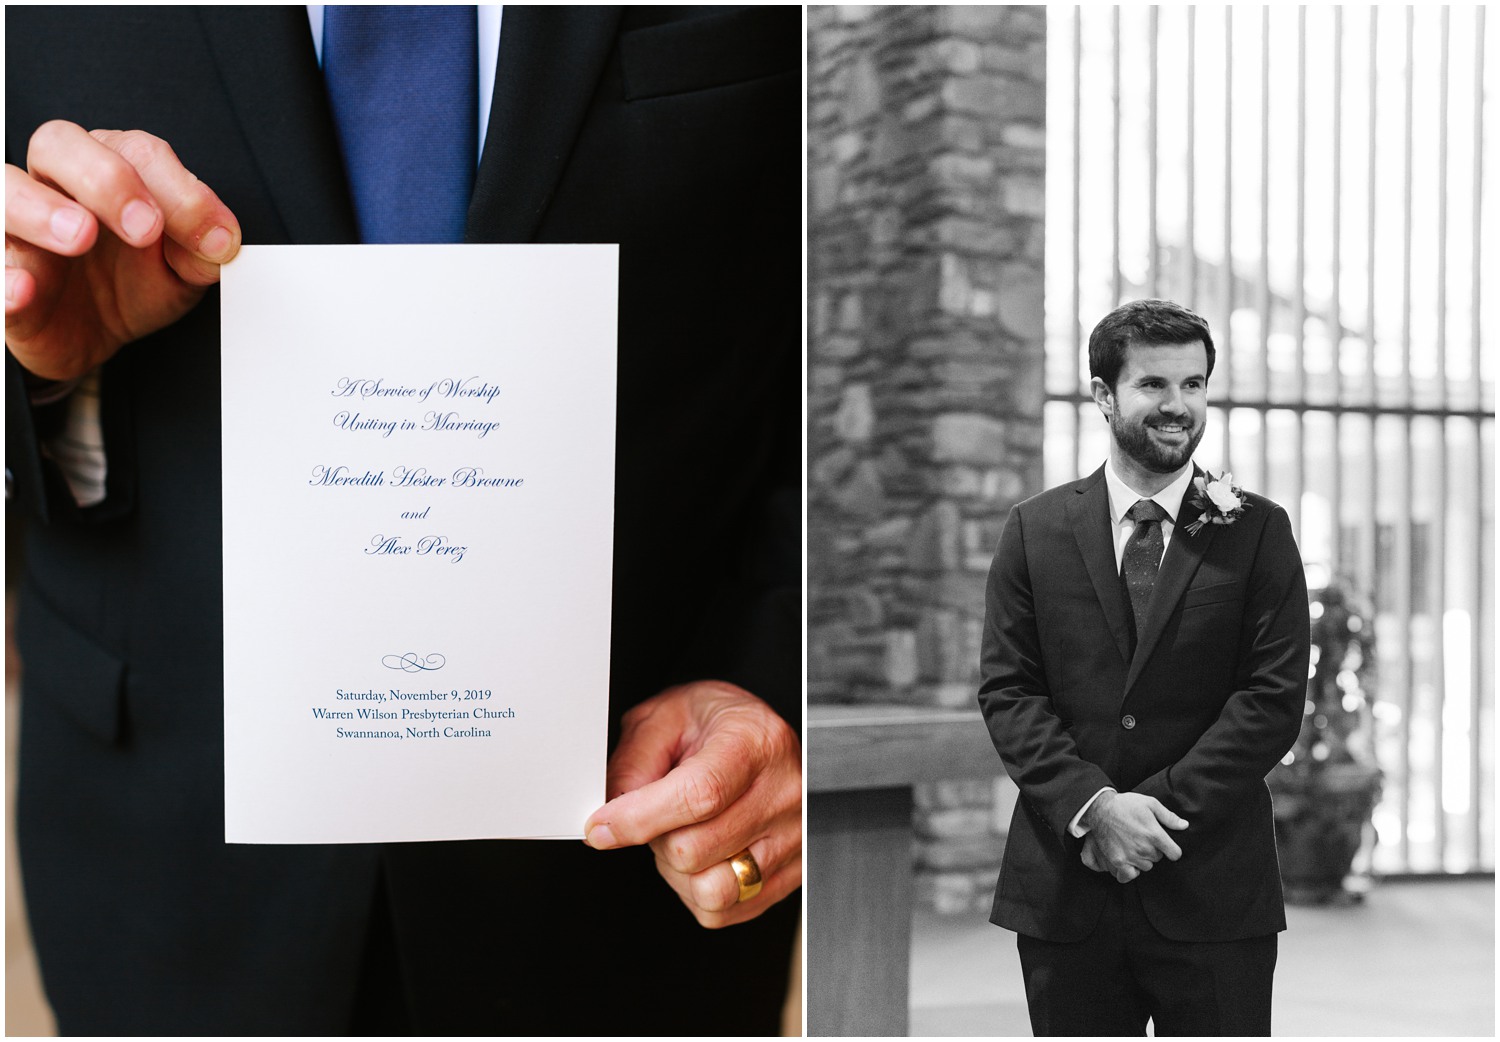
(1319,184)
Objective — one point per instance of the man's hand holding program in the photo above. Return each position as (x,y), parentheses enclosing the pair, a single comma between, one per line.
(108,238)
(702,772)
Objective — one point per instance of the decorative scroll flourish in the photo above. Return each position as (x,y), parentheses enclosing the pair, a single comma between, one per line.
(411,662)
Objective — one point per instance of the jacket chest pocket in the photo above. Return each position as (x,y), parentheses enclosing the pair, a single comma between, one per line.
(1228,591)
(713,50)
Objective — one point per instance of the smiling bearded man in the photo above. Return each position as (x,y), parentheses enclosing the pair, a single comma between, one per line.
(1142,671)
(1164,441)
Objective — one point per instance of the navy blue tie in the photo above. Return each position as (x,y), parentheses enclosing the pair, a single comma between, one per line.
(403,83)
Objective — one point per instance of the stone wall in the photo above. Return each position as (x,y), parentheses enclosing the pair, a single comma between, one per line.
(925,396)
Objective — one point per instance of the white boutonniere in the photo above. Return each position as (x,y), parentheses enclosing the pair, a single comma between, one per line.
(1217,500)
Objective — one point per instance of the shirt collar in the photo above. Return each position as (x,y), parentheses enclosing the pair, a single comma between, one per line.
(1122,497)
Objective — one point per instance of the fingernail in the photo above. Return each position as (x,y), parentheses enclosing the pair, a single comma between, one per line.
(600,837)
(66,223)
(137,219)
(216,244)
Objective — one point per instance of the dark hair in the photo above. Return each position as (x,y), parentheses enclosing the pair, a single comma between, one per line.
(1153,323)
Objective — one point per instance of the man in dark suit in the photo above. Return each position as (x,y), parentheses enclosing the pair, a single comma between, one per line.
(1138,698)
(674,132)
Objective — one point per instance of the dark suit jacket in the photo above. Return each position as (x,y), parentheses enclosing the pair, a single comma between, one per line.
(675,132)
(1213,696)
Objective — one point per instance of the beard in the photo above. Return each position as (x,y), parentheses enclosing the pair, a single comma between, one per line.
(1135,441)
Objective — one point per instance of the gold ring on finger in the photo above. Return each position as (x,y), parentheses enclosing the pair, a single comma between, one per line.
(746,874)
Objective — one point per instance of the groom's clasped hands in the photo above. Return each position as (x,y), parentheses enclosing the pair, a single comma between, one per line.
(1127,834)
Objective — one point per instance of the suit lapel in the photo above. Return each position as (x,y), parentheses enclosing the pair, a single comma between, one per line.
(1179,563)
(1088,516)
(550,63)
(270,72)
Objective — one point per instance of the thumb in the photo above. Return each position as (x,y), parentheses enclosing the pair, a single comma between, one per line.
(1166,817)
(643,756)
(646,749)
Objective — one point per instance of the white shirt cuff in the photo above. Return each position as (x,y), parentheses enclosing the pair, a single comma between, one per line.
(78,447)
(1074,829)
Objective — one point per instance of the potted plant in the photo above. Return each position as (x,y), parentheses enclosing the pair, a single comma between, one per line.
(1325,790)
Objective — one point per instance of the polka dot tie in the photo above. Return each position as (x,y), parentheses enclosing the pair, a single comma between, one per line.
(1142,556)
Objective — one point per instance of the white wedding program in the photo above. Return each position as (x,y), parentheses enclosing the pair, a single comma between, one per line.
(418,528)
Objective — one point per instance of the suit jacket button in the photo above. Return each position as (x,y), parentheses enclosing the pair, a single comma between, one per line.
(1128,722)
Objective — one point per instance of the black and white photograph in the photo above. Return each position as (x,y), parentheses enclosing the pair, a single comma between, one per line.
(1151,520)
